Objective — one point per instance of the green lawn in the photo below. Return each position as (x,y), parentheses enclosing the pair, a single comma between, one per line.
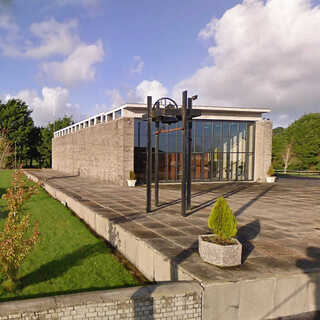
(69,258)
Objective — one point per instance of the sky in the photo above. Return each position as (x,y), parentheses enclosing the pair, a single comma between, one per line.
(82,57)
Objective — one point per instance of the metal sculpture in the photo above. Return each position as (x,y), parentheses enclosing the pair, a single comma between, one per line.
(166,110)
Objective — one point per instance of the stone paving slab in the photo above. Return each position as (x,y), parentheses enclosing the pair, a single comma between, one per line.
(279,223)
(279,227)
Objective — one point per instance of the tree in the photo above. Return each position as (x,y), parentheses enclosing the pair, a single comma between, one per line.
(34,144)
(298,146)
(279,142)
(287,155)
(45,148)
(222,221)
(5,148)
(305,134)
(15,118)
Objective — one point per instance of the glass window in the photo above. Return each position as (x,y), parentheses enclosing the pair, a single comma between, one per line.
(118,114)
(226,136)
(207,136)
(242,136)
(198,141)
(234,126)
(222,150)
(172,138)
(217,136)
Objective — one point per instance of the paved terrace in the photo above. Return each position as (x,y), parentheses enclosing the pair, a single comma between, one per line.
(279,227)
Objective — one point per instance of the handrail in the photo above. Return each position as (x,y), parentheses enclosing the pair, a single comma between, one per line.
(298,171)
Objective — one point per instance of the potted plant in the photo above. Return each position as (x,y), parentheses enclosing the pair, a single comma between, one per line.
(132,179)
(270,175)
(221,248)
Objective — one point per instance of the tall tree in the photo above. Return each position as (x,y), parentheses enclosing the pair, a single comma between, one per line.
(305,133)
(287,155)
(15,118)
(298,146)
(5,148)
(34,144)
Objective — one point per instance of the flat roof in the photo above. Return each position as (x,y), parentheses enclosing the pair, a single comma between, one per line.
(200,107)
(110,115)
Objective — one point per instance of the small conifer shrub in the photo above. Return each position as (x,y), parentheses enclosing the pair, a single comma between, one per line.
(132,175)
(270,172)
(222,222)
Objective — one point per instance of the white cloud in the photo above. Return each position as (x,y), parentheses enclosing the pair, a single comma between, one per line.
(209,30)
(51,105)
(266,54)
(56,38)
(150,88)
(115,96)
(78,66)
(137,65)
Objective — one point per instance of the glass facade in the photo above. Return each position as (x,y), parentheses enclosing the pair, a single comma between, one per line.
(221,150)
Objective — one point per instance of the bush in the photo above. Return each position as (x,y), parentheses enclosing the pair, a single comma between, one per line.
(270,172)
(222,221)
(132,175)
(18,237)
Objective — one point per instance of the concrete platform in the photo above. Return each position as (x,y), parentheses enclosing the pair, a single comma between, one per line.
(279,227)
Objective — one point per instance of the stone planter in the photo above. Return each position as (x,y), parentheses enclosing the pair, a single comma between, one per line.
(271,179)
(219,255)
(131,183)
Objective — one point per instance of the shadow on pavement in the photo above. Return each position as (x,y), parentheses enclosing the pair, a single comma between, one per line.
(251,202)
(246,233)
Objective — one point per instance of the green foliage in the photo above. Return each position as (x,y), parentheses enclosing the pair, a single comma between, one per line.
(28,142)
(5,149)
(69,258)
(270,172)
(304,136)
(18,237)
(132,175)
(222,221)
(15,118)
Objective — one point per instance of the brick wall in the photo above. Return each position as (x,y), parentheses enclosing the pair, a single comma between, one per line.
(104,151)
(167,301)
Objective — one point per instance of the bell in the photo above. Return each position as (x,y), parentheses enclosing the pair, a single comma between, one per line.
(168,119)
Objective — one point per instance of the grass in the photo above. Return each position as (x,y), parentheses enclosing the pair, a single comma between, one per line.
(69,258)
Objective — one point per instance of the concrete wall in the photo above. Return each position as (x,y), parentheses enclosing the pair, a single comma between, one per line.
(167,301)
(263,149)
(103,151)
(154,265)
(106,151)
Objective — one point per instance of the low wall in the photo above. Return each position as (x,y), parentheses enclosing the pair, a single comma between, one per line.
(150,262)
(165,301)
(104,151)
(272,296)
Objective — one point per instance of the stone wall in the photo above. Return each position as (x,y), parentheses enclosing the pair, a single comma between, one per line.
(166,301)
(104,151)
(263,149)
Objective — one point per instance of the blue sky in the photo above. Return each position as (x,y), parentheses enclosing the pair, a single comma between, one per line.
(81,57)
